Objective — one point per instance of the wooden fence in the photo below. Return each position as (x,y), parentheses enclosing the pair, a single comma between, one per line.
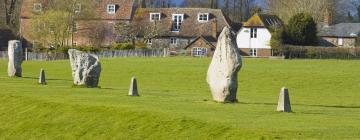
(49,56)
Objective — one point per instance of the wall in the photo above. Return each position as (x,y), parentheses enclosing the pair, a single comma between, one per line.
(333,42)
(260,52)
(262,41)
(165,43)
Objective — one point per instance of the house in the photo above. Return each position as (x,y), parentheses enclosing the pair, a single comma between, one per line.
(340,35)
(201,46)
(254,37)
(100,25)
(176,28)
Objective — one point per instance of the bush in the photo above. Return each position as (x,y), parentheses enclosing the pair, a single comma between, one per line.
(141,45)
(277,38)
(122,46)
(87,48)
(312,52)
(301,30)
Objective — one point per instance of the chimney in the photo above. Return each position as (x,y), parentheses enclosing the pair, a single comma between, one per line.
(214,29)
(328,17)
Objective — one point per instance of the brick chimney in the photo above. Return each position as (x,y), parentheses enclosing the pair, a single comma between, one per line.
(214,29)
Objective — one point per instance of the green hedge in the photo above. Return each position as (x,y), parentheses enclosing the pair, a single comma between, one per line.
(310,52)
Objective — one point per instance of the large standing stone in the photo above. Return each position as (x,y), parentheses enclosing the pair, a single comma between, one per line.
(133,91)
(86,68)
(284,101)
(42,77)
(224,68)
(15,53)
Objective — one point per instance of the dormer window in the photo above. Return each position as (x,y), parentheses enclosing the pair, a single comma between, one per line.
(77,8)
(111,8)
(177,20)
(37,7)
(155,16)
(203,17)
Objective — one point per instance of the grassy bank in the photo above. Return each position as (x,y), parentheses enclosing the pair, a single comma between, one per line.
(175,101)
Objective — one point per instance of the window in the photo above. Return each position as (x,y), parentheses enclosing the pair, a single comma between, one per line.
(177,21)
(155,16)
(37,7)
(253,52)
(149,41)
(77,8)
(74,27)
(203,17)
(253,33)
(340,41)
(111,8)
(173,41)
(199,51)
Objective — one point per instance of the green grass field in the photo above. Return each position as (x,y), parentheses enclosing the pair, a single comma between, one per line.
(176,103)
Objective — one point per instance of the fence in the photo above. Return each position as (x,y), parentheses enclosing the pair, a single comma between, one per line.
(48,56)
(309,52)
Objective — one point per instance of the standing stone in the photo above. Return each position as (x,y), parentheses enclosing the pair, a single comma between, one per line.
(86,68)
(42,77)
(15,53)
(133,91)
(224,68)
(284,101)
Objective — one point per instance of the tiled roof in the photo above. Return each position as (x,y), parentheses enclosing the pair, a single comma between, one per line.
(263,20)
(190,27)
(340,30)
(124,9)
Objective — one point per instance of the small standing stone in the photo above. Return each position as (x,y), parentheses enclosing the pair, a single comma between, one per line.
(15,53)
(42,77)
(223,71)
(284,101)
(133,91)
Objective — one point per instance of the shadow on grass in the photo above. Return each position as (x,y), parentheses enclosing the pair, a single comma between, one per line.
(47,79)
(327,106)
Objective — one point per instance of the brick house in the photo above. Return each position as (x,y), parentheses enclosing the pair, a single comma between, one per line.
(179,27)
(340,35)
(107,13)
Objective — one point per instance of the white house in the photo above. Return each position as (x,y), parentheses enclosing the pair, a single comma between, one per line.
(254,37)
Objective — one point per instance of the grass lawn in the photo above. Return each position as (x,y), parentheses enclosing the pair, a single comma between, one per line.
(176,103)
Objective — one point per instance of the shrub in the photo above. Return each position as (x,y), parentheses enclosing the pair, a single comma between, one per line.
(301,30)
(87,48)
(122,46)
(277,38)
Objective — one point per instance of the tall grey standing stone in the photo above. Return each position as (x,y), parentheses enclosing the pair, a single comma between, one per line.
(133,91)
(42,77)
(224,68)
(15,53)
(86,68)
(284,101)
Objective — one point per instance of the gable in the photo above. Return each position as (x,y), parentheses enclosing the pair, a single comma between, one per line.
(264,20)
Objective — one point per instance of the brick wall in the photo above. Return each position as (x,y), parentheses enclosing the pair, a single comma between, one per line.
(200,43)
(260,52)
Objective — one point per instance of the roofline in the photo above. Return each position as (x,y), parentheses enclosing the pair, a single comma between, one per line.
(200,37)
(338,36)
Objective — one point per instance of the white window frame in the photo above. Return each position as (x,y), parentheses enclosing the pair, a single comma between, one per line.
(203,17)
(173,40)
(340,41)
(199,51)
(253,33)
(111,8)
(176,25)
(37,7)
(155,16)
(253,52)
(149,41)
(77,8)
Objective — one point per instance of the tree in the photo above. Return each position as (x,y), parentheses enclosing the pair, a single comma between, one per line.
(358,12)
(301,30)
(56,24)
(350,17)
